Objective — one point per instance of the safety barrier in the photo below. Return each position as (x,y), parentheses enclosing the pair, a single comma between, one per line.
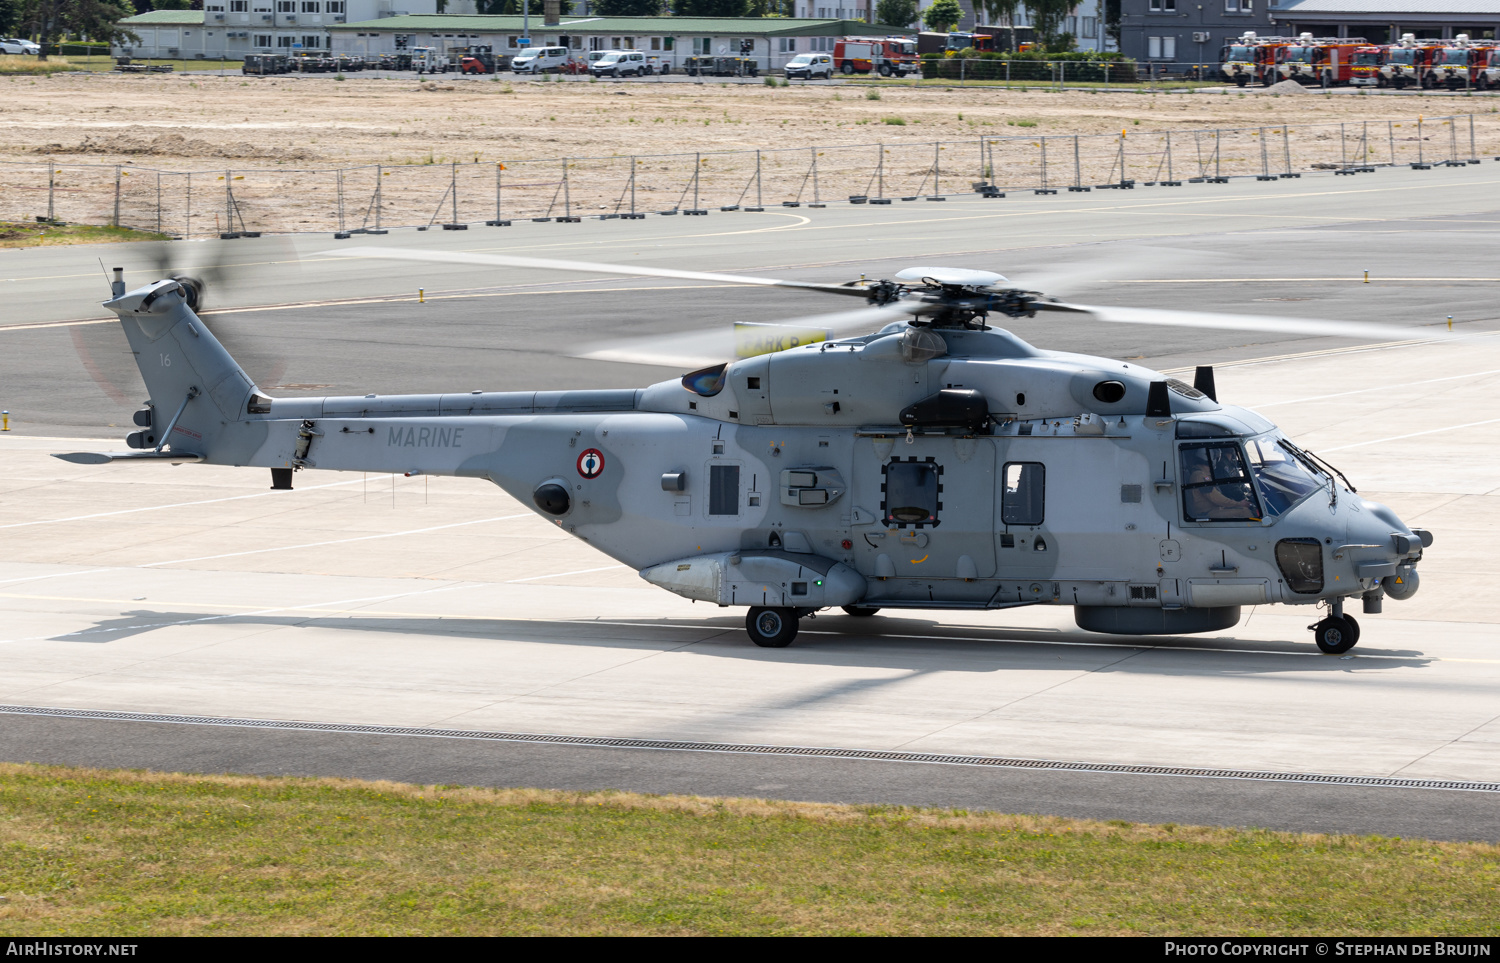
(247,201)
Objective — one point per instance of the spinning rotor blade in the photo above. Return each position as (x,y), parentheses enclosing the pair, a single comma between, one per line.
(213,268)
(1248,322)
(701,348)
(585,267)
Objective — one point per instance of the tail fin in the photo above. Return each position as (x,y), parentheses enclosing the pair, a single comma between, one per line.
(196,388)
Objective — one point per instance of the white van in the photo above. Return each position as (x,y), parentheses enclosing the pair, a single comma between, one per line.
(534,60)
(810,65)
(620,63)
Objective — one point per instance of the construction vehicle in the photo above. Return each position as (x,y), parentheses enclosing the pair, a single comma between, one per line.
(1253,59)
(1462,65)
(478,59)
(1320,60)
(1408,62)
(882,55)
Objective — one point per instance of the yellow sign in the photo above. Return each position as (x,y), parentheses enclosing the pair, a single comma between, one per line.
(756,339)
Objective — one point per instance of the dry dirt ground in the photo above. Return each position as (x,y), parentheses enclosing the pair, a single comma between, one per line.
(204,123)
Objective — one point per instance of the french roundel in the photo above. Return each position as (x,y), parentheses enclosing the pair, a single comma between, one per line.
(591,463)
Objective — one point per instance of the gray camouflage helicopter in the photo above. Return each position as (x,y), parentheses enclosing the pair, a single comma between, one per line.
(939,463)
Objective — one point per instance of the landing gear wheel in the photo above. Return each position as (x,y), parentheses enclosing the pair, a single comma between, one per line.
(859,611)
(771,628)
(1336,635)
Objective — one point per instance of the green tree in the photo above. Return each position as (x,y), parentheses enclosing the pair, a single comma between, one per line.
(1112,20)
(896,13)
(626,8)
(10,15)
(53,20)
(1047,16)
(942,15)
(172,4)
(711,8)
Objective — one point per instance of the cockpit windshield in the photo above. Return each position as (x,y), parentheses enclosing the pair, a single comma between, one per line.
(1242,54)
(1454,57)
(1284,480)
(1402,55)
(1302,55)
(1367,58)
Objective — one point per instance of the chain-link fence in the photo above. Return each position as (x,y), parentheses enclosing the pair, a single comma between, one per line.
(378,197)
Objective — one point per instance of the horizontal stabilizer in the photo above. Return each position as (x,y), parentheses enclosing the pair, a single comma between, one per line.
(105,457)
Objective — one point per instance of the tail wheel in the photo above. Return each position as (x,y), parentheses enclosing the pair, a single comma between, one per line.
(771,628)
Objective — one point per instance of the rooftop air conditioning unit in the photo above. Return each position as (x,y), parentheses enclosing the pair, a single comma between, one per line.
(1200,36)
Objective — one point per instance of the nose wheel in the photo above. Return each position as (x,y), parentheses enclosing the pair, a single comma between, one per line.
(771,628)
(1336,634)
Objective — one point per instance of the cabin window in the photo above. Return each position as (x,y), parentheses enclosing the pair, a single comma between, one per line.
(724,489)
(1216,485)
(1023,502)
(913,493)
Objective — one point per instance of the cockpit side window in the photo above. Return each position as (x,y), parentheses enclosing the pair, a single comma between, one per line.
(1216,485)
(1284,480)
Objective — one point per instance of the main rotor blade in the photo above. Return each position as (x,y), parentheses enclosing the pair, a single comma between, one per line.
(1317,327)
(585,267)
(701,348)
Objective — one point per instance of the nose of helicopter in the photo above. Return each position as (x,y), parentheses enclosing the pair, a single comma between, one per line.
(1384,548)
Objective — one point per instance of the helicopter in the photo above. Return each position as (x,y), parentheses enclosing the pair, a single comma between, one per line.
(939,462)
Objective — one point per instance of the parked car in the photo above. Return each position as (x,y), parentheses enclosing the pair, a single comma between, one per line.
(15,45)
(535,60)
(809,65)
(620,63)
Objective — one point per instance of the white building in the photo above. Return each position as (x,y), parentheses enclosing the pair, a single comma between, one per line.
(230,29)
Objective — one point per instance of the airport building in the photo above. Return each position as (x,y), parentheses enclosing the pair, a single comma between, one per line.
(230,29)
(1384,21)
(1189,31)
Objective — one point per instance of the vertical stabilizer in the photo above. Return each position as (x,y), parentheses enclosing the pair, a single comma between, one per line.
(195,386)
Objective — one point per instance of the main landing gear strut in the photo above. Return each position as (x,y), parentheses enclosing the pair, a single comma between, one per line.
(775,628)
(1337,633)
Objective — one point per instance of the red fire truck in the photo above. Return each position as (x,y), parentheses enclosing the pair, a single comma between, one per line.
(1410,61)
(1253,59)
(1463,64)
(883,55)
(1320,60)
(1367,64)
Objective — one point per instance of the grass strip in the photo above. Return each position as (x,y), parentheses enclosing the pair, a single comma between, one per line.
(86,851)
(13,65)
(34,234)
